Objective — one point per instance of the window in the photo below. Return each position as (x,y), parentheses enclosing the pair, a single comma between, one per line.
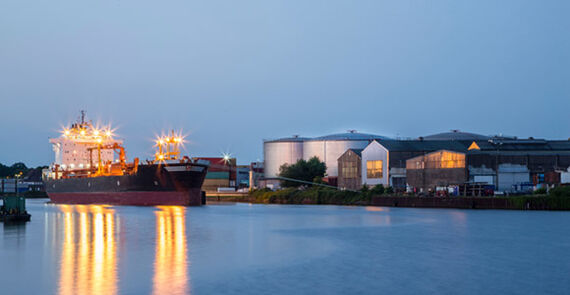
(445,159)
(349,170)
(374,169)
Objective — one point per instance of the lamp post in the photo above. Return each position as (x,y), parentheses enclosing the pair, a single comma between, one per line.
(228,161)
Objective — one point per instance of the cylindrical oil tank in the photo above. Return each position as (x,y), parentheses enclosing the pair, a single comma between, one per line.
(281,151)
(329,148)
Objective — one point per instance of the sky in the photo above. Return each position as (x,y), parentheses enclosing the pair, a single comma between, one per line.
(232,73)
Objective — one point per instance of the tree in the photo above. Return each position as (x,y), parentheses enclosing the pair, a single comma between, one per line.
(33,174)
(302,170)
(10,171)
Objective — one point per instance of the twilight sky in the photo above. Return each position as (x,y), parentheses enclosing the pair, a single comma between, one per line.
(231,73)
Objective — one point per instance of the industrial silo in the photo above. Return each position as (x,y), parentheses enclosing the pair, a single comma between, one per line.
(329,148)
(281,151)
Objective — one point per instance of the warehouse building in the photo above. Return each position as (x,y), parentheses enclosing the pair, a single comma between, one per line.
(521,163)
(509,165)
(441,168)
(385,162)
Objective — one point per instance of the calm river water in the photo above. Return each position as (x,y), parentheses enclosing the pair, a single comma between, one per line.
(276,249)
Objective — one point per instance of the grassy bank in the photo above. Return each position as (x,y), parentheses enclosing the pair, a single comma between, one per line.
(553,201)
(309,196)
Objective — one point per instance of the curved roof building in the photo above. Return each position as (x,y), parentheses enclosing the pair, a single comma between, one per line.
(281,151)
(327,148)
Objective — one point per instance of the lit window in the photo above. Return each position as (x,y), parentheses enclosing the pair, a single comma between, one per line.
(374,169)
(349,170)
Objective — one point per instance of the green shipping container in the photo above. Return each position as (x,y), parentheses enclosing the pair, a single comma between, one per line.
(217,175)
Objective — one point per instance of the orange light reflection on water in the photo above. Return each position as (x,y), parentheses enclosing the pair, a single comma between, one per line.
(376,209)
(88,258)
(171,265)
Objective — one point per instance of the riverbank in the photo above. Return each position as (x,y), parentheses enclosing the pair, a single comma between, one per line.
(335,197)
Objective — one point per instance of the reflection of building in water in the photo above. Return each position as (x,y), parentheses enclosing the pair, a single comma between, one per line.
(89,252)
(170,266)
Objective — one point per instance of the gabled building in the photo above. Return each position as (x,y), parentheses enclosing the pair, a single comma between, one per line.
(350,170)
(385,162)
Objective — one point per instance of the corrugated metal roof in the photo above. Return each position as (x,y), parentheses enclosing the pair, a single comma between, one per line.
(294,138)
(421,145)
(524,145)
(339,136)
(351,136)
(456,135)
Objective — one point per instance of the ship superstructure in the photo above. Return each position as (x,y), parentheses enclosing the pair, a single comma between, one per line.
(90,167)
(86,150)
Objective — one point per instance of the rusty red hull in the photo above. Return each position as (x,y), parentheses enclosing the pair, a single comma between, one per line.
(173,198)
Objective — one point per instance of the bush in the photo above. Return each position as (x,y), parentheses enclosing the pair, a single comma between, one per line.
(377,189)
(313,195)
(540,191)
(561,191)
(389,190)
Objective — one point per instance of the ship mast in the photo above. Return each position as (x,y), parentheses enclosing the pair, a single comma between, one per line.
(171,143)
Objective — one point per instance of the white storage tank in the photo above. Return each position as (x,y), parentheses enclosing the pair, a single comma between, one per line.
(329,148)
(281,151)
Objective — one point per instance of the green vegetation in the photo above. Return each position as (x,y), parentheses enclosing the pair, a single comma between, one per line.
(34,174)
(314,195)
(561,191)
(558,199)
(312,170)
(540,203)
(540,191)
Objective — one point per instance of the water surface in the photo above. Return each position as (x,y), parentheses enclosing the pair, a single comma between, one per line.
(276,249)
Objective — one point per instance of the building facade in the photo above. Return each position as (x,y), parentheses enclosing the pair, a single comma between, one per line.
(327,148)
(350,170)
(436,169)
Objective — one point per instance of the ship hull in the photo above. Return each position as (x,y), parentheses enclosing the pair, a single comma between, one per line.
(152,185)
(158,198)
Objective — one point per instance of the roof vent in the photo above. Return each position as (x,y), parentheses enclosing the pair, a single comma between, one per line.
(455,130)
(295,135)
(351,131)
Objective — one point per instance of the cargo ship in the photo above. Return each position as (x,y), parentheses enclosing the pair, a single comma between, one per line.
(90,167)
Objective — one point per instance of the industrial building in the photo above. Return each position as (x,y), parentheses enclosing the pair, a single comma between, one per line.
(385,161)
(281,151)
(442,168)
(221,173)
(327,148)
(506,164)
(350,170)
(511,164)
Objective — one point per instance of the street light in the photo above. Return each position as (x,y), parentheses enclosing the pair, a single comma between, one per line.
(227,160)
